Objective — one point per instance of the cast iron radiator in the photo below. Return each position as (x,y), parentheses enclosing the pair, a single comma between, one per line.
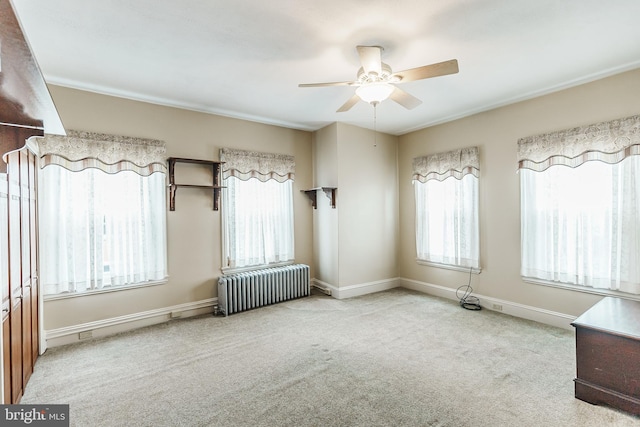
(244,291)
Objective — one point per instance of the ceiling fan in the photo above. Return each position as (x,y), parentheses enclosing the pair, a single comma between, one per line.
(376,82)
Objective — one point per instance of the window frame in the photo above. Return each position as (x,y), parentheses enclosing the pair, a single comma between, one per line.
(109,288)
(225,268)
(477,268)
(559,283)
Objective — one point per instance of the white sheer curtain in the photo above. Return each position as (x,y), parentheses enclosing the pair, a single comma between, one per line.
(446,196)
(99,229)
(258,208)
(580,206)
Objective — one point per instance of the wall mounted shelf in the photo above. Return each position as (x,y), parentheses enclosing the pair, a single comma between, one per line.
(173,187)
(329,191)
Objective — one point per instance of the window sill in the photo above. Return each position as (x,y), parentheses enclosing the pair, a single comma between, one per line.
(474,270)
(583,289)
(232,270)
(104,291)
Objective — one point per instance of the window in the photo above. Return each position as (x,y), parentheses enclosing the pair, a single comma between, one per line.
(259,222)
(580,207)
(258,208)
(446,196)
(99,230)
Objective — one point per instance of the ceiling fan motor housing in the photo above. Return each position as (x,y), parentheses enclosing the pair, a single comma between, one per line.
(373,77)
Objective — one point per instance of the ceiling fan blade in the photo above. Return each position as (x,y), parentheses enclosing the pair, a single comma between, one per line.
(405,99)
(428,71)
(350,103)
(370,58)
(325,84)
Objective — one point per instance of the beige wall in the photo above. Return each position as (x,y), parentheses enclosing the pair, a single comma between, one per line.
(325,218)
(496,132)
(369,238)
(368,205)
(194,229)
(356,243)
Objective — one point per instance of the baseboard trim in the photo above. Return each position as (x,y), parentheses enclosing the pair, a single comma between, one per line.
(101,328)
(322,286)
(325,287)
(536,314)
(359,289)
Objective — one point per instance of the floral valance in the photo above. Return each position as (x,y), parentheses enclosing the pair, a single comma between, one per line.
(254,164)
(608,142)
(439,166)
(110,153)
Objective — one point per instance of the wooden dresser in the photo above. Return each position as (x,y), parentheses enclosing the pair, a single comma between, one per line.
(608,354)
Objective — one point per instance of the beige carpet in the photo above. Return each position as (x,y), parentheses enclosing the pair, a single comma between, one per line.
(395,358)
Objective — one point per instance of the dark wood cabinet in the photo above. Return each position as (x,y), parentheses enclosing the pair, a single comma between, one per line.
(6,356)
(4,282)
(21,336)
(33,248)
(608,354)
(15,277)
(18,271)
(26,110)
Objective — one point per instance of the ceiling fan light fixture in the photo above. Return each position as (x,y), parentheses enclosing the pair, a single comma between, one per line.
(374,92)
(376,81)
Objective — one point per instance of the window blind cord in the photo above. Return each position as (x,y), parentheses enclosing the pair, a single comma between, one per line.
(463,293)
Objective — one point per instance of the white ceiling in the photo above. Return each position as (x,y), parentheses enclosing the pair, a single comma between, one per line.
(245,58)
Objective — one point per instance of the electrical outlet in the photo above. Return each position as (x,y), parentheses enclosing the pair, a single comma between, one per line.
(496,307)
(85,335)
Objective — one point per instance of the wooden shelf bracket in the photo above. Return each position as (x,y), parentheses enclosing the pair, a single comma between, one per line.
(330,192)
(173,187)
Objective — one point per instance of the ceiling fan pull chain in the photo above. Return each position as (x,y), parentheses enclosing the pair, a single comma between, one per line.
(375,120)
